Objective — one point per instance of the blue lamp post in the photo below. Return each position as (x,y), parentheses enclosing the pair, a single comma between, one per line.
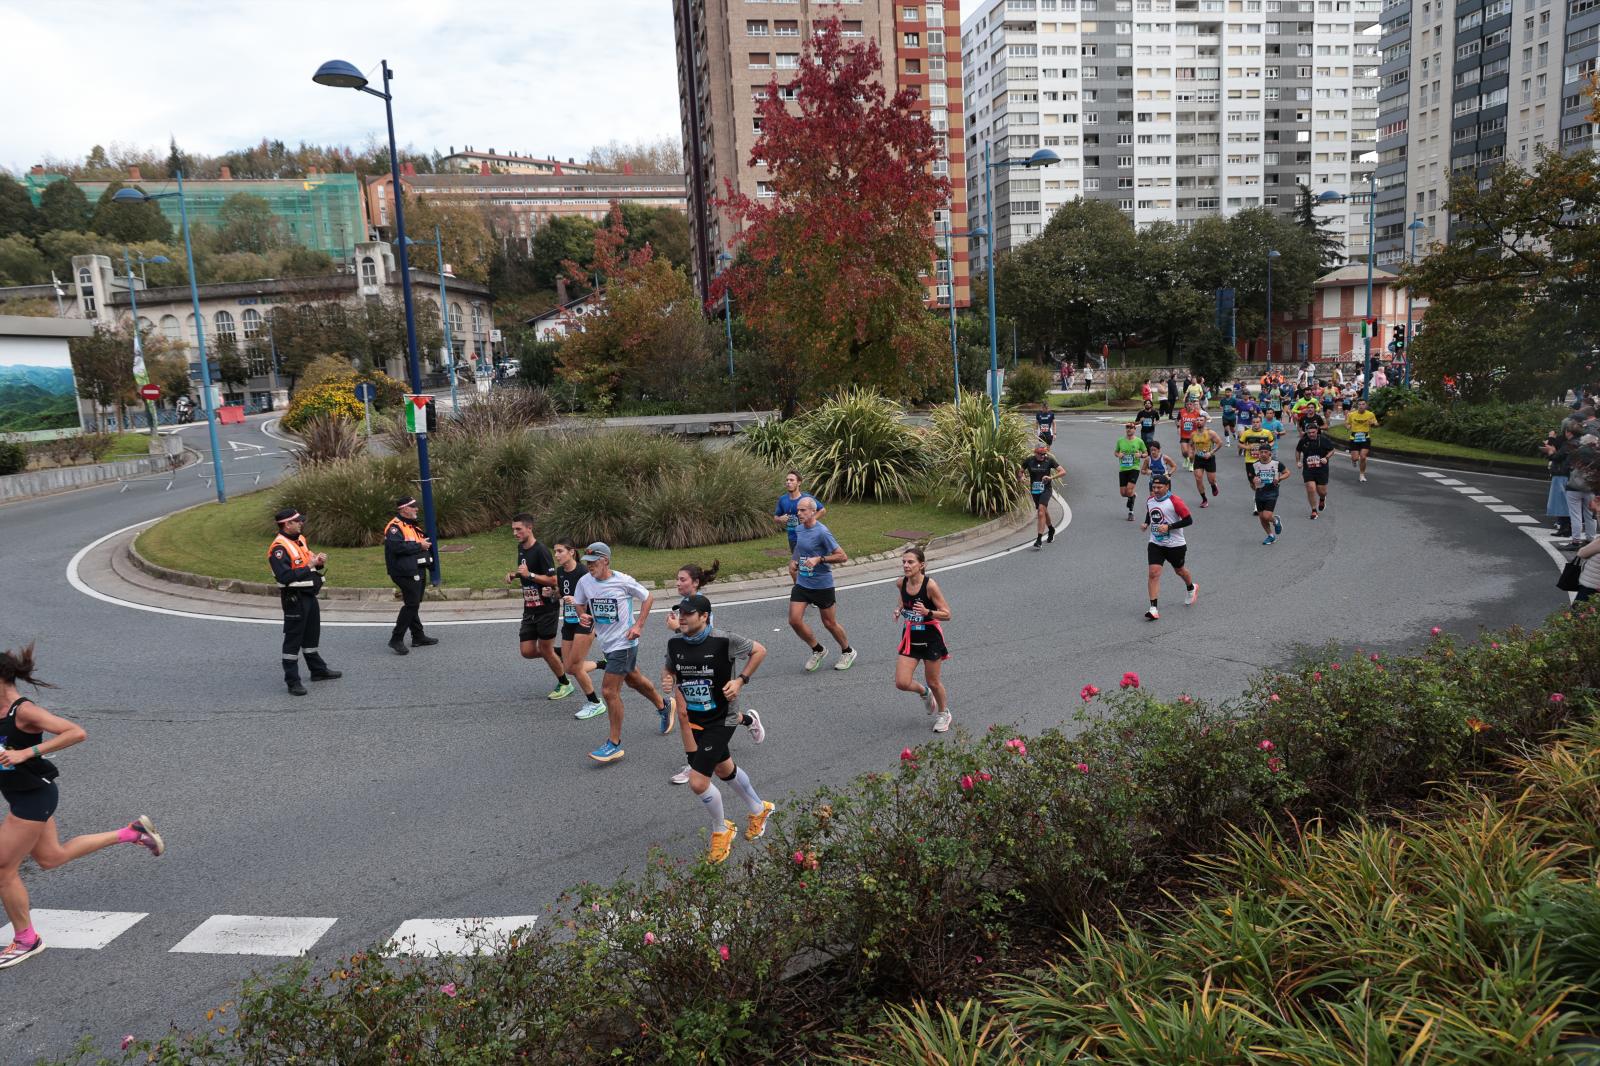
(1042,158)
(341,75)
(1328,197)
(133,300)
(723,260)
(138,196)
(1271,255)
(1415,227)
(949,258)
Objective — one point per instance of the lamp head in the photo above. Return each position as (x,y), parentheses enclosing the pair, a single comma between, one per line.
(1042,158)
(340,75)
(155,258)
(1328,196)
(130,196)
(1417,223)
(1274,254)
(982,232)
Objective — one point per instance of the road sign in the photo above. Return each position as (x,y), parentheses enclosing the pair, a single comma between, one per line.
(366,391)
(150,392)
(419,414)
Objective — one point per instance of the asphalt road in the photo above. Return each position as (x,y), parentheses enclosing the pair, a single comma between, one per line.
(444,785)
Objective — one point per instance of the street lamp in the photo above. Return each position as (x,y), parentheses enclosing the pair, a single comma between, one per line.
(131,195)
(1415,227)
(1042,158)
(133,299)
(1271,255)
(1328,196)
(950,261)
(723,260)
(342,75)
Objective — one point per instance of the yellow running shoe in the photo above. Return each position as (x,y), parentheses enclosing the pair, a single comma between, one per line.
(722,843)
(756,824)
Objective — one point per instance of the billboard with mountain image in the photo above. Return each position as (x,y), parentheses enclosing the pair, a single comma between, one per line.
(38,395)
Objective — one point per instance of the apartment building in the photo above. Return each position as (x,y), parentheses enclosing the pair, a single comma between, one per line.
(1176,110)
(1466,86)
(729,51)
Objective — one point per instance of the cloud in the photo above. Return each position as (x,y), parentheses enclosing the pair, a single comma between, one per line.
(540,76)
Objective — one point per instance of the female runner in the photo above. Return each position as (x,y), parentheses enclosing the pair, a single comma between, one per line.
(922,608)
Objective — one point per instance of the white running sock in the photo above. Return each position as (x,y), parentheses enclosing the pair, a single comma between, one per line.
(740,782)
(712,798)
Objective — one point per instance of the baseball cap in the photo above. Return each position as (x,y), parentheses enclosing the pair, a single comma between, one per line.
(1162,478)
(696,604)
(288,514)
(597,551)
(405,501)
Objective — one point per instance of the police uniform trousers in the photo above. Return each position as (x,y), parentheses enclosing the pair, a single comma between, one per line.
(408,619)
(302,632)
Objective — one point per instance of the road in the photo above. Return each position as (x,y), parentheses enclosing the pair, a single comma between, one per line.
(444,786)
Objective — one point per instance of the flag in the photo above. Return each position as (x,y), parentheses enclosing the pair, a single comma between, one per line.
(57,283)
(417,408)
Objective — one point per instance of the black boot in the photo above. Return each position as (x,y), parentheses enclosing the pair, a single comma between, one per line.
(398,644)
(422,640)
(291,677)
(320,670)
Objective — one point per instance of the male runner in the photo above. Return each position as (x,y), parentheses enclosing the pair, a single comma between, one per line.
(701,661)
(1314,449)
(1361,422)
(1230,415)
(605,600)
(1205,443)
(1130,452)
(1037,470)
(1165,519)
(1265,474)
(1274,424)
(816,553)
(1188,420)
(1251,438)
(541,608)
(787,511)
(1147,420)
(1046,422)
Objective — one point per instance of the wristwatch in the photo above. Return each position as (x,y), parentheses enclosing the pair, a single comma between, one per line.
(744,679)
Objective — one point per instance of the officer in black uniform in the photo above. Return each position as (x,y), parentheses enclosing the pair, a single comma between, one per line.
(407,554)
(298,571)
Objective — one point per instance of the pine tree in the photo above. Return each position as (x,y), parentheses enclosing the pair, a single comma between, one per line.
(1329,248)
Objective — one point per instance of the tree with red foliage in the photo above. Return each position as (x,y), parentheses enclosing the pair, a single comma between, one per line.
(828,269)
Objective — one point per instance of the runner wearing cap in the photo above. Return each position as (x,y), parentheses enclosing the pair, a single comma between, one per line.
(1037,470)
(1166,517)
(701,662)
(407,554)
(605,599)
(298,571)
(815,555)
(1130,452)
(1265,475)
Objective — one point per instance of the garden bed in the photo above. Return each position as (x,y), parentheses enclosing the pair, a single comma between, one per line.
(1387,441)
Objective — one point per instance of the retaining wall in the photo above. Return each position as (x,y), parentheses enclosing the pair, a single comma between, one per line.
(62,478)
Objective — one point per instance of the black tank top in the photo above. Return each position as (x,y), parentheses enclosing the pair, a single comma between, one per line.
(566,584)
(36,772)
(910,602)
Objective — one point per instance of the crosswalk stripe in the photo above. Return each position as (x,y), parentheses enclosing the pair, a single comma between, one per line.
(1449,481)
(1520,519)
(1484,499)
(456,936)
(1504,508)
(1430,473)
(80,930)
(1468,490)
(252,934)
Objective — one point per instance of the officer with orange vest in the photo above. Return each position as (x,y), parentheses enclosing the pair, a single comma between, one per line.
(298,571)
(407,554)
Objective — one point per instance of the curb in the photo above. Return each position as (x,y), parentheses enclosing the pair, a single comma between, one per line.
(1449,462)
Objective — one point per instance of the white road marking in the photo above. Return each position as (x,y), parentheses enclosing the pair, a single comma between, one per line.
(78,930)
(456,936)
(1504,508)
(1449,481)
(1520,519)
(239,445)
(251,934)
(267,428)
(1468,490)
(1484,499)
(1424,473)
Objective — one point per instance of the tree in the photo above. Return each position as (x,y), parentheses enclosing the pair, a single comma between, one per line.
(664,229)
(62,205)
(245,223)
(124,222)
(563,239)
(832,264)
(1319,230)
(464,232)
(1074,283)
(102,364)
(18,216)
(1232,254)
(229,363)
(664,155)
(21,263)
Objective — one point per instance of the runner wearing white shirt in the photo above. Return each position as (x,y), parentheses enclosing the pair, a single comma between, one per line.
(605,599)
(1166,517)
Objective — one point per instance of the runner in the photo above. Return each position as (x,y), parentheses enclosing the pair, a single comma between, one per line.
(922,608)
(28,782)
(1361,422)
(605,600)
(787,511)
(1251,438)
(1194,393)
(1130,454)
(1230,415)
(1265,475)
(700,661)
(575,636)
(1205,443)
(1147,420)
(1165,519)
(1157,464)
(1274,424)
(1314,449)
(1046,422)
(1326,395)
(541,613)
(1037,470)
(1302,409)
(1188,420)
(692,578)
(816,553)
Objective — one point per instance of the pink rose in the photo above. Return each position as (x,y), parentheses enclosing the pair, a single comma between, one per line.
(907,755)
(1317,675)
(1130,680)
(1185,699)
(649,938)
(966,782)
(1333,666)
(1373,656)
(1266,745)
(1435,631)
(127,1042)
(1274,764)
(1087,693)
(1556,697)
(984,777)
(1494,646)
(449,989)
(1082,768)
(722,950)
(799,858)
(1273,698)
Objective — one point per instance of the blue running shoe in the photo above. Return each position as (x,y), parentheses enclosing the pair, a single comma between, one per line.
(668,718)
(1270,539)
(607,752)
(1277,526)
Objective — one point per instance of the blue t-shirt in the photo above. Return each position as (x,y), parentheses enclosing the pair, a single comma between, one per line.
(1276,425)
(816,541)
(790,505)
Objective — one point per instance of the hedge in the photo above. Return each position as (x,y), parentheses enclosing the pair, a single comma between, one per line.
(1515,429)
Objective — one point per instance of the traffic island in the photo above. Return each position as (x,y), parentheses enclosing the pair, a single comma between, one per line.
(1406,449)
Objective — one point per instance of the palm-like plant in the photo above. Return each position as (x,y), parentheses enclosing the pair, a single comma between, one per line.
(857,447)
(977,459)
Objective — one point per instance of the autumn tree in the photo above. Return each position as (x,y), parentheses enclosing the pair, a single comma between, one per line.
(832,264)
(102,364)
(464,232)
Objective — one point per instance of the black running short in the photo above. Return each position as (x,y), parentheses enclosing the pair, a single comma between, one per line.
(1267,501)
(1361,446)
(822,599)
(711,746)
(572,629)
(1315,475)
(1207,463)
(538,626)
(1157,554)
(35,804)
(1127,477)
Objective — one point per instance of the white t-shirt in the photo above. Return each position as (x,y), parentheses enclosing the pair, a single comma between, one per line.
(611,602)
(1167,511)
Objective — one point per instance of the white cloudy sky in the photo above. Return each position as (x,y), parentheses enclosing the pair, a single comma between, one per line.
(545,76)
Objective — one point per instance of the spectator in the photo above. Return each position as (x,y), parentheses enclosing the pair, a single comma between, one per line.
(1170,401)
(1380,380)
(1580,483)
(1589,576)
(1559,466)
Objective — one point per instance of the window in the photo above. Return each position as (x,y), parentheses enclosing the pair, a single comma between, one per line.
(788,60)
(755,28)
(86,291)
(764,189)
(760,61)
(169,328)
(911,40)
(225,327)
(369,270)
(251,321)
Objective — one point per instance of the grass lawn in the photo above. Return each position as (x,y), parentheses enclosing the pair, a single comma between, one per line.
(129,446)
(1419,446)
(1058,402)
(230,541)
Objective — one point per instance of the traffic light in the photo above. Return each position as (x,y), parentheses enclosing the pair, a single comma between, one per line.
(1399,344)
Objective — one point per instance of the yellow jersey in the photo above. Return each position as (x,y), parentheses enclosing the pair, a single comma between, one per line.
(1252,437)
(1361,424)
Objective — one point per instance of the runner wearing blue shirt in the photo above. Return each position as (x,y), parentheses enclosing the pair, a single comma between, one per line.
(816,553)
(1276,425)
(1045,419)
(605,599)
(787,511)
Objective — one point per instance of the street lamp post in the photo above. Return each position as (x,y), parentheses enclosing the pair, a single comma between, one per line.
(1271,255)
(1043,157)
(1368,323)
(949,256)
(444,319)
(342,75)
(138,342)
(131,195)
(1415,227)
(723,258)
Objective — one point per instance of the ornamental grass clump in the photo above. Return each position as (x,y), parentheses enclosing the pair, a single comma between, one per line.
(856,446)
(976,462)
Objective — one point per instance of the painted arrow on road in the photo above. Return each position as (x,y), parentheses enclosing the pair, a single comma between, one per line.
(239,445)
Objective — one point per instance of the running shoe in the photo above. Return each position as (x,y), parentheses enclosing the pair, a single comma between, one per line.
(668,717)
(928,701)
(148,837)
(1130,516)
(941,722)
(16,952)
(846,660)
(1270,538)
(1363,477)
(590,709)
(758,732)
(1277,525)
(1204,503)
(1322,505)
(561,691)
(1153,615)
(721,843)
(1038,542)
(1050,535)
(682,776)
(1194,595)
(815,661)
(755,825)
(610,751)
(1216,490)
(1313,516)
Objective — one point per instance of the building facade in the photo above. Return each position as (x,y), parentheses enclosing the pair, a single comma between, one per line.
(1175,110)
(1328,329)
(472,162)
(729,52)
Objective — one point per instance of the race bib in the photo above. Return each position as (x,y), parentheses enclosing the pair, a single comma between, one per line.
(1125,460)
(1359,438)
(530,596)
(697,697)
(805,571)
(605,612)
(569,614)
(793,524)
(1188,426)
(1038,488)
(1155,518)
(1148,423)
(918,621)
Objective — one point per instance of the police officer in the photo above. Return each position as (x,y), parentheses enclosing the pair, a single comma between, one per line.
(298,571)
(407,553)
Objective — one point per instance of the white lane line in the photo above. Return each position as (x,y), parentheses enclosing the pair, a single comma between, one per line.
(252,934)
(1520,519)
(456,936)
(1504,508)
(1484,499)
(1468,490)
(78,583)
(1449,481)
(1424,473)
(267,428)
(78,930)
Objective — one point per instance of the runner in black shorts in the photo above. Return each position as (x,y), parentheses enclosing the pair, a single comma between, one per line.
(1037,470)
(541,611)
(1130,453)
(1265,475)
(1314,450)
(575,636)
(922,607)
(1166,517)
(28,782)
(1045,419)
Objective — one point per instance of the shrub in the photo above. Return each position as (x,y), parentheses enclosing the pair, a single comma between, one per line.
(502,410)
(334,399)
(1125,383)
(976,463)
(856,447)
(1027,383)
(1389,399)
(323,369)
(13,457)
(349,503)
(772,440)
(324,439)
(721,501)
(1517,429)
